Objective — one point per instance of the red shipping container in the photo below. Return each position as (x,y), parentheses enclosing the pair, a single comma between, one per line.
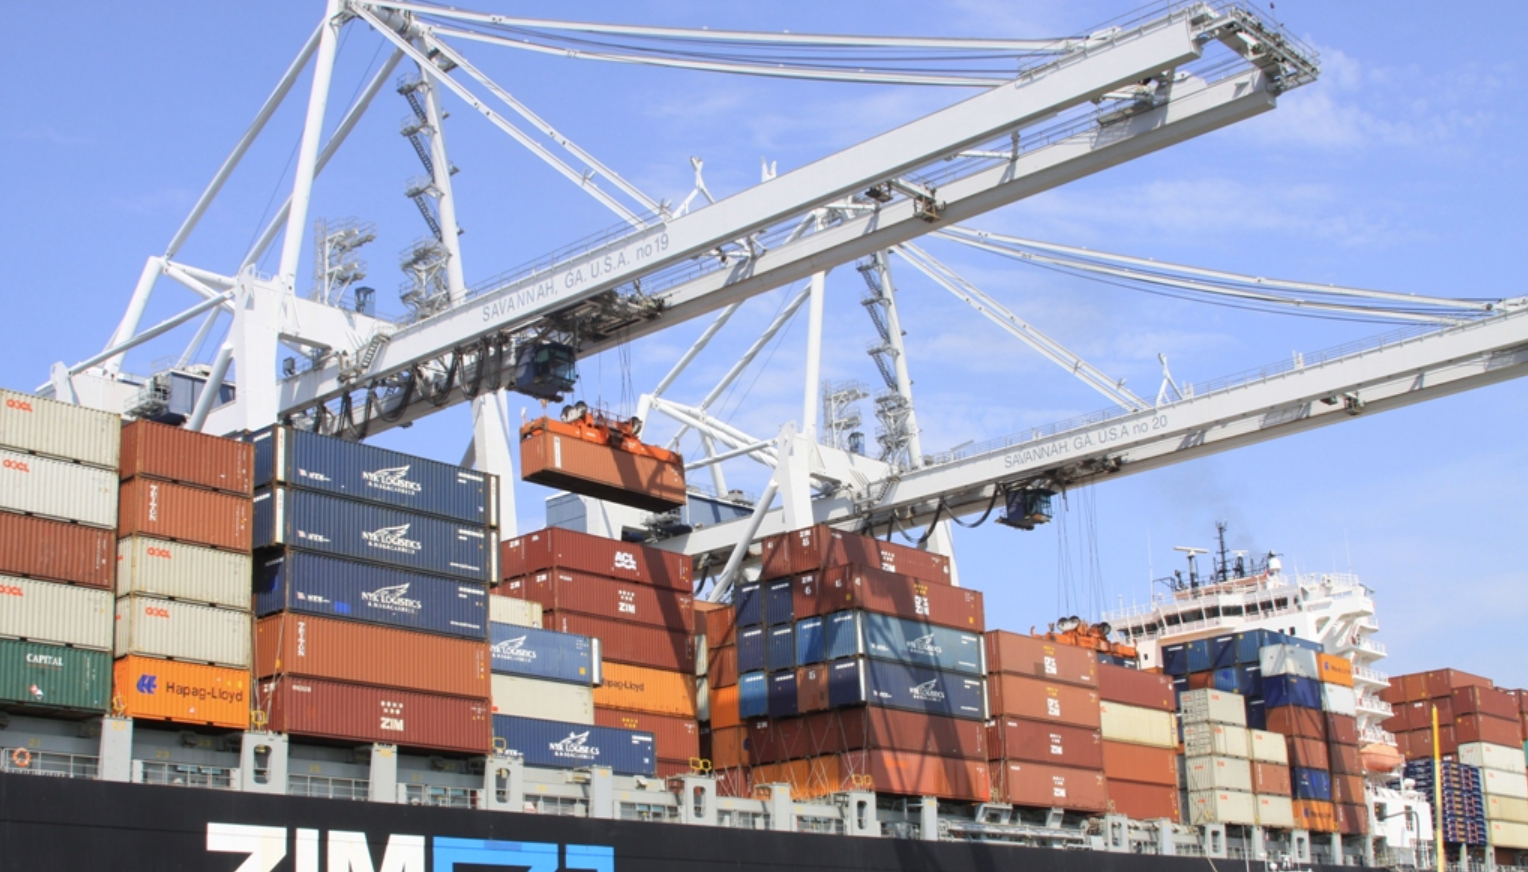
(563,591)
(858,587)
(1394,692)
(1041,658)
(1298,721)
(1271,779)
(357,713)
(182,513)
(1443,682)
(1341,729)
(673,738)
(1045,742)
(1021,697)
(671,768)
(717,622)
(907,773)
(1151,690)
(1352,820)
(1143,802)
(726,747)
(1485,701)
(1042,786)
(818,547)
(1308,754)
(1420,743)
(55,551)
(1344,759)
(1140,764)
(167,453)
(811,689)
(556,548)
(1484,728)
(867,728)
(638,645)
(1201,681)
(721,667)
(1348,788)
(1315,815)
(357,653)
(1415,686)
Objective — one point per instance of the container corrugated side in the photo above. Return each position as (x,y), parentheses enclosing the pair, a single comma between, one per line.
(1509,784)
(1134,687)
(183,693)
(63,614)
(1140,764)
(1505,808)
(52,676)
(1221,807)
(563,591)
(1042,742)
(376,534)
(1506,758)
(1217,773)
(908,773)
(33,485)
(69,432)
(1339,700)
(576,746)
(1507,834)
(548,700)
(1213,706)
(1025,697)
(179,570)
(318,584)
(504,609)
(635,688)
(1017,654)
(674,738)
(358,653)
(1289,660)
(166,510)
(557,548)
(886,637)
(1267,747)
(546,655)
(634,644)
(357,471)
(911,688)
(1142,726)
(874,590)
(1044,786)
(57,551)
(156,627)
(1275,811)
(1201,740)
(359,713)
(1144,802)
(159,451)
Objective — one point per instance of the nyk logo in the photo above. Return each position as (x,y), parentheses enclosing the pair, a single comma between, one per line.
(345,851)
(575,747)
(392,599)
(511,649)
(393,539)
(924,645)
(927,692)
(394,479)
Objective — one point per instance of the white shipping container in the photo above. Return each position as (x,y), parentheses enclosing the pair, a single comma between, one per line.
(1275,811)
(1210,706)
(1505,808)
(1202,740)
(1288,660)
(35,485)
(1494,782)
(1268,747)
(1487,756)
(1339,700)
(1217,773)
(182,631)
(46,611)
(1136,725)
(702,655)
(1505,834)
(61,430)
(515,612)
(1221,807)
(184,572)
(703,700)
(546,700)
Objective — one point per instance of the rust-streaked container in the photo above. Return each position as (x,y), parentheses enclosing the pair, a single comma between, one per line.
(372,654)
(1334,669)
(184,693)
(1022,697)
(1014,654)
(561,590)
(654,691)
(565,456)
(1491,701)
(674,738)
(1443,682)
(1315,815)
(1151,690)
(184,514)
(1309,754)
(56,429)
(725,747)
(1298,721)
(634,644)
(1348,788)
(360,713)
(1140,764)
(907,773)
(821,546)
(173,454)
(1485,728)
(556,548)
(1143,802)
(721,668)
(1043,786)
(1341,729)
(859,587)
(1271,779)
(812,688)
(56,551)
(1045,742)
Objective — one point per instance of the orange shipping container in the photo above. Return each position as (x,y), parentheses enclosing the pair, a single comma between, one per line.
(1315,815)
(1035,784)
(184,514)
(185,693)
(1140,764)
(594,461)
(356,653)
(723,705)
(1014,654)
(1271,779)
(169,453)
(655,691)
(726,747)
(1335,670)
(1039,700)
(1144,802)
(907,773)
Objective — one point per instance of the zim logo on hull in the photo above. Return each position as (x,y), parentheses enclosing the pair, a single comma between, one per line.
(345,851)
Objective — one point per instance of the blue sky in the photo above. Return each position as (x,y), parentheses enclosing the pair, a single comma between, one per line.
(1401,169)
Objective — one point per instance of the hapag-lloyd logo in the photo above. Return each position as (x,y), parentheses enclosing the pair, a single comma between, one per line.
(392,599)
(393,539)
(393,479)
(513,649)
(575,747)
(315,850)
(925,645)
(928,691)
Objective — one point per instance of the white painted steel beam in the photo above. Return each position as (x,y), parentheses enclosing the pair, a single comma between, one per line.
(308,146)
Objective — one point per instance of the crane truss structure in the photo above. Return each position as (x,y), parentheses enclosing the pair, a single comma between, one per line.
(1065,109)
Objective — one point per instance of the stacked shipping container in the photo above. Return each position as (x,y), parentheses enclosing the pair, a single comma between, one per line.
(58,513)
(1140,742)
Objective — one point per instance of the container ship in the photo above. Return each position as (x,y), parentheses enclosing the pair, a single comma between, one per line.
(289,651)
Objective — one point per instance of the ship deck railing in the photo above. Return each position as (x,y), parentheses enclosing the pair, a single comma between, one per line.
(440,796)
(49,764)
(326,787)
(185,775)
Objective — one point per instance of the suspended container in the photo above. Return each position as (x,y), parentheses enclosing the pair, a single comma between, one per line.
(598,456)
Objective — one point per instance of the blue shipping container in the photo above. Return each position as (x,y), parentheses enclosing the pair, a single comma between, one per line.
(1292,690)
(1311,783)
(1199,659)
(1305,643)
(1223,651)
(782,648)
(1249,644)
(779,602)
(1175,660)
(782,694)
(356,471)
(1249,680)
(376,534)
(544,654)
(811,637)
(316,584)
(899,686)
(750,605)
(751,650)
(752,695)
(1227,679)
(1257,714)
(557,745)
(886,637)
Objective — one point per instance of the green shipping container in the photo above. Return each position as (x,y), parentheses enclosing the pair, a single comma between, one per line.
(54,676)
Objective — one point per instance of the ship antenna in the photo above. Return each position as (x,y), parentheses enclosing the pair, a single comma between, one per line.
(1222,565)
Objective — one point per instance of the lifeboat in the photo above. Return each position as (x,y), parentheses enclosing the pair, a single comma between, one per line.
(1380,758)
(592,453)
